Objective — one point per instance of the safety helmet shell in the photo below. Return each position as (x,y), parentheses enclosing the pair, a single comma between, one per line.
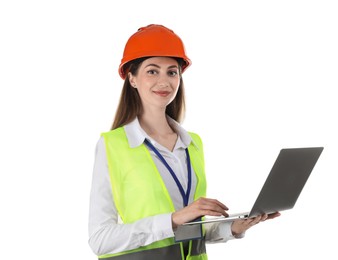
(153,40)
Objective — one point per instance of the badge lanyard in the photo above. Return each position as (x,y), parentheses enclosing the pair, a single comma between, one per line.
(185,195)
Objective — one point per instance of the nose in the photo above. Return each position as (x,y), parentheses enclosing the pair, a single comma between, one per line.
(163,81)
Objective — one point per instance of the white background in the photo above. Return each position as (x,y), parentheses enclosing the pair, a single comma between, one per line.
(264,76)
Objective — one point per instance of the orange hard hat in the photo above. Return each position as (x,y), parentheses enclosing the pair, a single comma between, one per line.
(153,40)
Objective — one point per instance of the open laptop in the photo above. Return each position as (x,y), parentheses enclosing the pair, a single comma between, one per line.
(283,185)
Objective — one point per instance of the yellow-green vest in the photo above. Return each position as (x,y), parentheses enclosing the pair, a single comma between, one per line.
(139,192)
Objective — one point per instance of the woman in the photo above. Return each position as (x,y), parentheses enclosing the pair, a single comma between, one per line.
(149,175)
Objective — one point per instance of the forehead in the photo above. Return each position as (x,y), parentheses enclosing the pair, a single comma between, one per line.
(161,61)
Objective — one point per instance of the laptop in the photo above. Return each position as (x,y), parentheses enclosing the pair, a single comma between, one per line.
(283,185)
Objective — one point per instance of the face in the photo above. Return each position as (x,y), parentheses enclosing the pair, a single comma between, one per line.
(157,81)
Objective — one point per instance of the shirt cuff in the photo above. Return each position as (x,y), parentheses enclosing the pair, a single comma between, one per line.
(162,226)
(225,230)
(220,232)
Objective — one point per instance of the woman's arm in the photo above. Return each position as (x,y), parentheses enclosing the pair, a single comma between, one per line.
(106,234)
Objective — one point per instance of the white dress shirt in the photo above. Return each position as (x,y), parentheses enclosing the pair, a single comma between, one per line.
(107,233)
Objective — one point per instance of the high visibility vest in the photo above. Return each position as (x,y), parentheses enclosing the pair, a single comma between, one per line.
(139,192)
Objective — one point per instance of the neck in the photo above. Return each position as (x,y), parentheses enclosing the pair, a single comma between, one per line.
(155,124)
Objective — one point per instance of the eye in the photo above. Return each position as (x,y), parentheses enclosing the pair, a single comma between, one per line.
(172,73)
(152,72)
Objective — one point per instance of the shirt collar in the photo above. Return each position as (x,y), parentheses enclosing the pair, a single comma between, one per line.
(136,135)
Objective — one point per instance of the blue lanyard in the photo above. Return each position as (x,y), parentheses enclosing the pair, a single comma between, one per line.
(185,195)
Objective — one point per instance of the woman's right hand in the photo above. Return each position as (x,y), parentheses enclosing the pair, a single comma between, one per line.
(199,208)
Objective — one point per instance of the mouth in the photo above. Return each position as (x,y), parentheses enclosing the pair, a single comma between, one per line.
(162,93)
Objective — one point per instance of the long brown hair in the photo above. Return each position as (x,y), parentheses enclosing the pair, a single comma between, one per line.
(130,105)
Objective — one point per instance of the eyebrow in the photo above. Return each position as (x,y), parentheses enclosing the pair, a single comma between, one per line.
(157,66)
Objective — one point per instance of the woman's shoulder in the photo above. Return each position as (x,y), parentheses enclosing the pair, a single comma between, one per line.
(195,137)
(194,134)
(114,132)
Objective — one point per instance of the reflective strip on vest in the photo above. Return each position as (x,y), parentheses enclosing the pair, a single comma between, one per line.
(172,252)
(165,253)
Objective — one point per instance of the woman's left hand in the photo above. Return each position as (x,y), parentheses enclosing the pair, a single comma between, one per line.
(240,226)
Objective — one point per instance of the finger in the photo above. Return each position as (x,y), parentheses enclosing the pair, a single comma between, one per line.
(214,201)
(273,215)
(220,204)
(264,217)
(213,210)
(255,220)
(211,207)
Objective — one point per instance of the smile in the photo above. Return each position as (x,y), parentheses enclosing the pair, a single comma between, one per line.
(162,93)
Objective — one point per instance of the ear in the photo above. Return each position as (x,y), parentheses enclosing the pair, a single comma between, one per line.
(131,80)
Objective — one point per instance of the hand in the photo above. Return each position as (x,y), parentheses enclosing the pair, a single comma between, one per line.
(199,208)
(240,226)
